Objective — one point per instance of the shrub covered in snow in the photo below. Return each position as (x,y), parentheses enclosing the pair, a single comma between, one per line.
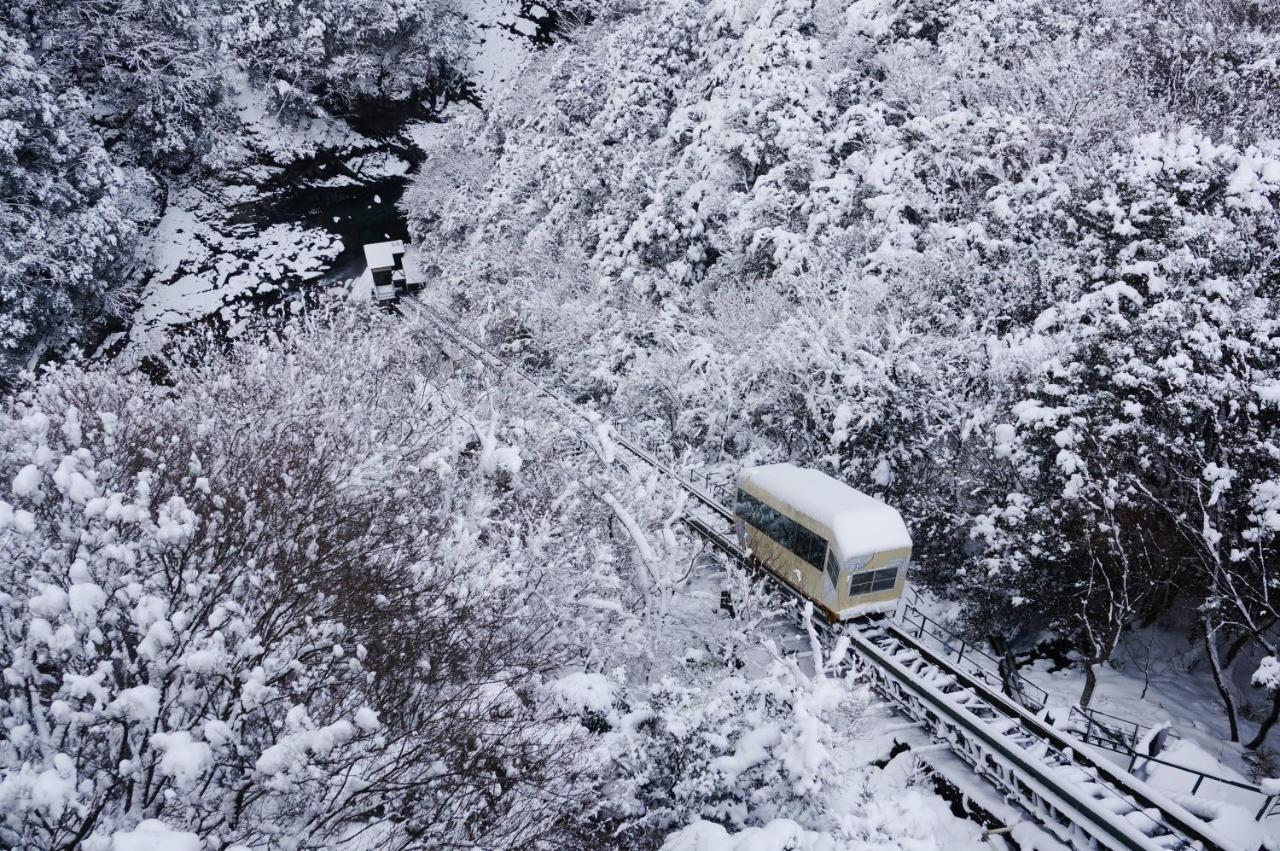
(769,757)
(67,238)
(258,605)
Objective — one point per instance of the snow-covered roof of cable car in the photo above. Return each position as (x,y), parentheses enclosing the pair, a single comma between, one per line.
(857,524)
(382,255)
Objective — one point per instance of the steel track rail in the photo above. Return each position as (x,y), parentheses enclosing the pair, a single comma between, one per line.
(1140,792)
(1089,822)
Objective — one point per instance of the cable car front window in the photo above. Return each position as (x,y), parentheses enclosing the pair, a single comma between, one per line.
(873,581)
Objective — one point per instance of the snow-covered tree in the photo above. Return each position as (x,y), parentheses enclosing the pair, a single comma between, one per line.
(260,606)
(346,54)
(1143,436)
(67,230)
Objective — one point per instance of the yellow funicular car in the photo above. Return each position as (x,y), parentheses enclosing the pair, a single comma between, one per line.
(840,548)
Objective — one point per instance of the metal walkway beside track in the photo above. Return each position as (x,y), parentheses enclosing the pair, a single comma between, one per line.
(1085,803)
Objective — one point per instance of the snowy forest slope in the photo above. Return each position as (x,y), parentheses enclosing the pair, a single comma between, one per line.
(1011,265)
(418,624)
(110,108)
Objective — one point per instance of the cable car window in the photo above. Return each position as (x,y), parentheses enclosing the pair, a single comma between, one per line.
(802,541)
(819,553)
(764,518)
(833,568)
(810,546)
(781,529)
(873,581)
(752,510)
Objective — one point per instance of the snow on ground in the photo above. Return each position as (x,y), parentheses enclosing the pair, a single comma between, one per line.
(501,45)
(496,56)
(265,132)
(1186,701)
(203,263)
(1231,810)
(368,167)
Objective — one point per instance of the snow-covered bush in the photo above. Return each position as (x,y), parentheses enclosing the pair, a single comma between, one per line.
(761,751)
(740,752)
(274,604)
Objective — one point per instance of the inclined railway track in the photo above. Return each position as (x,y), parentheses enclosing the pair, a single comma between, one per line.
(1084,802)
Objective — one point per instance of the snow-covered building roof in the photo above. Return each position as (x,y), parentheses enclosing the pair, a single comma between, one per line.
(853,522)
(382,255)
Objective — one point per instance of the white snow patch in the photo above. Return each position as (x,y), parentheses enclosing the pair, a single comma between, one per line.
(155,835)
(86,600)
(185,759)
(367,719)
(584,692)
(140,703)
(751,750)
(27,480)
(777,835)
(53,789)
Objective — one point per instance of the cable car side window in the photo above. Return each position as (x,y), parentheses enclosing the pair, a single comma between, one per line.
(797,539)
(762,517)
(810,546)
(781,529)
(746,508)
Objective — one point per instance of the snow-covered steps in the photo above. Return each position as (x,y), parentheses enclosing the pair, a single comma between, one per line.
(1082,803)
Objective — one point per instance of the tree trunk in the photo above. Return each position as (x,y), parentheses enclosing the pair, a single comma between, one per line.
(1090,683)
(1215,665)
(1267,723)
(1235,647)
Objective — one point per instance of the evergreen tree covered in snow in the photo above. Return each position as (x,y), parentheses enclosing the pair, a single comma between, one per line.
(67,234)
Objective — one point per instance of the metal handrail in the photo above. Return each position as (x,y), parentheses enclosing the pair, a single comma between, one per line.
(1113,722)
(1118,740)
(1115,740)
(1171,815)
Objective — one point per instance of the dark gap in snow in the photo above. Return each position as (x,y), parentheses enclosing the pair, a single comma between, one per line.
(962,806)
